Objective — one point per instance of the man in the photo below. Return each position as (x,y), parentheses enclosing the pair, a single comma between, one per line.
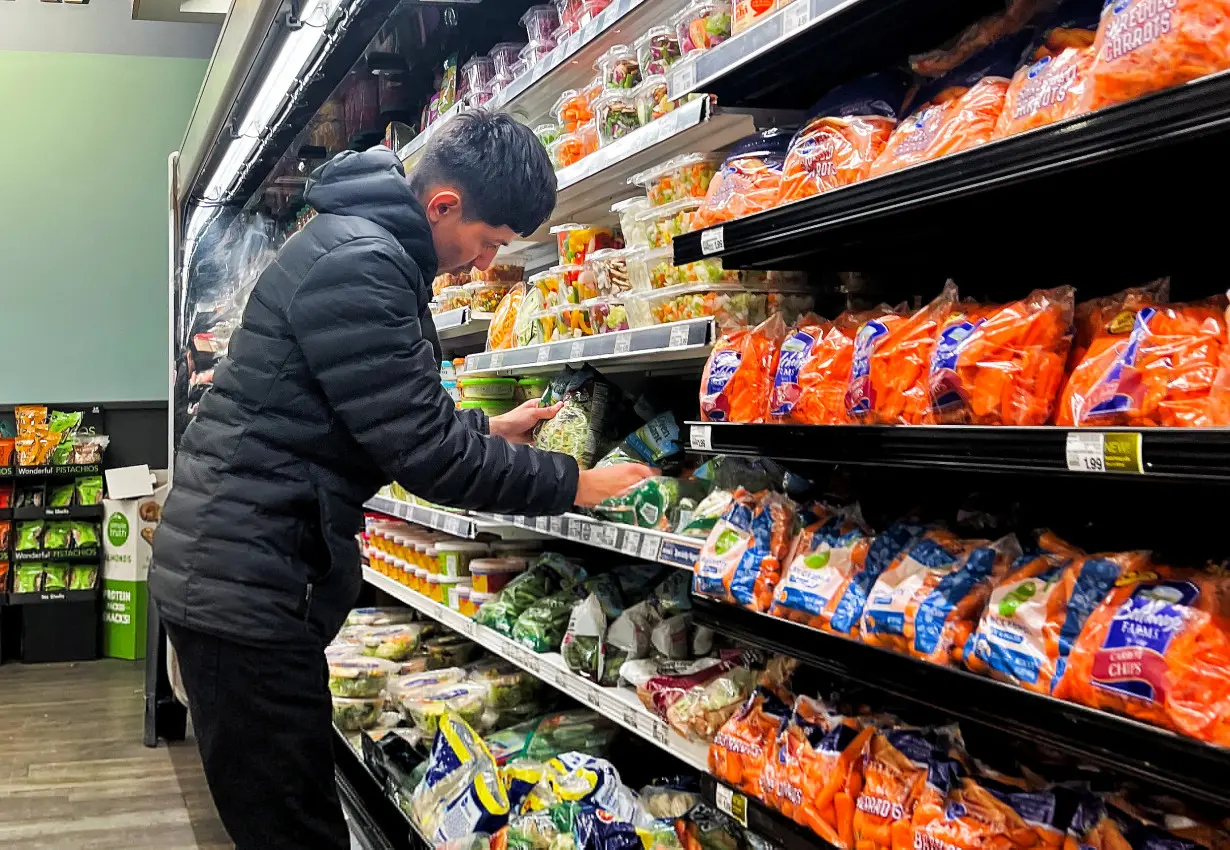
(331,388)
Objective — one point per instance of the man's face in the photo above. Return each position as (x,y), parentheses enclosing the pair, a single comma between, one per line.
(459,243)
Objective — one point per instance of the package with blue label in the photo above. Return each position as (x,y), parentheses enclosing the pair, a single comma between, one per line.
(741,560)
(737,378)
(461,793)
(825,558)
(1157,649)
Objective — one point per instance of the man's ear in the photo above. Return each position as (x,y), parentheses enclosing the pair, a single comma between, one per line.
(442,203)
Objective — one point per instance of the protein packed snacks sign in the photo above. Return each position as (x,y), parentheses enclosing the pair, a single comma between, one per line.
(128,532)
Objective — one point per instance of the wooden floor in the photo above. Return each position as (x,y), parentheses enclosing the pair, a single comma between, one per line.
(73,771)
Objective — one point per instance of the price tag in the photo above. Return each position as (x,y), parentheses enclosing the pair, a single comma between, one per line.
(713,240)
(701,437)
(1110,451)
(577,350)
(631,543)
(542,523)
(679,337)
(731,802)
(544,354)
(452,526)
(623,343)
(683,78)
(577,530)
(659,733)
(630,718)
(795,17)
(557,525)
(650,547)
(497,360)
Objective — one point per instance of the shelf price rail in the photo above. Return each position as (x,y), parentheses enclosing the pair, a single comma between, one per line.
(1116,743)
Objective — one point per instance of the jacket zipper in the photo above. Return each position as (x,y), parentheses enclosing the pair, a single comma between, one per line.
(307,603)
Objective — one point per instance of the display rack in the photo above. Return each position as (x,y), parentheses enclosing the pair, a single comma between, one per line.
(463,327)
(450,522)
(673,550)
(752,814)
(619,704)
(373,813)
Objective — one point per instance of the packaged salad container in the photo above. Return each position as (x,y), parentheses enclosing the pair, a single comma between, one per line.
(504,57)
(509,273)
(540,23)
(657,50)
(573,322)
(529,388)
(606,273)
(748,12)
(618,68)
(652,99)
(666,222)
(485,295)
(453,297)
(636,235)
(488,388)
(588,135)
(546,326)
(351,715)
(508,685)
(702,24)
(358,677)
(489,575)
(686,176)
(547,133)
(412,685)
(571,110)
(558,285)
(567,150)
(379,617)
(449,651)
(425,707)
(607,315)
(615,114)
(454,556)
(525,326)
(576,241)
(730,304)
(393,643)
(650,268)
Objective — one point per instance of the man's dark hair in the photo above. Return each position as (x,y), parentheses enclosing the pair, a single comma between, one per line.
(499,165)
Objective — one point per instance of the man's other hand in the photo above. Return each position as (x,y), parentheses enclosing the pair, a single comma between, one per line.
(517,425)
(594,485)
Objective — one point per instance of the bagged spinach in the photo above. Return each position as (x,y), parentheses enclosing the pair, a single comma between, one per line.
(546,576)
(543,625)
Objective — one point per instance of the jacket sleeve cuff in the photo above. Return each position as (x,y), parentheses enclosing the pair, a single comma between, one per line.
(569,477)
(476,420)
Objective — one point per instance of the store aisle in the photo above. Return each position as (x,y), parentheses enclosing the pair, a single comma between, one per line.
(73,771)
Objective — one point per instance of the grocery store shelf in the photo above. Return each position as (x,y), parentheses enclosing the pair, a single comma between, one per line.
(619,704)
(45,596)
(374,814)
(1168,453)
(65,471)
(646,544)
(70,512)
(462,327)
(1113,742)
(1100,152)
(76,556)
(679,345)
(754,815)
(458,525)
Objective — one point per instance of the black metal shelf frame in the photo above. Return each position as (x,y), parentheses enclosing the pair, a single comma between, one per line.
(1116,743)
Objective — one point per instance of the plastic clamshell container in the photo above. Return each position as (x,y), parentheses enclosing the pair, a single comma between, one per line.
(486,388)
(411,685)
(525,329)
(731,305)
(358,677)
(615,115)
(657,50)
(607,315)
(454,556)
(572,321)
(477,73)
(682,177)
(618,68)
(571,110)
(569,12)
(351,715)
(425,707)
(702,24)
(568,149)
(606,273)
(489,575)
(485,295)
(393,643)
(636,235)
(666,222)
(452,297)
(574,242)
(456,594)
(504,56)
(540,23)
(528,388)
(547,133)
(652,99)
(558,285)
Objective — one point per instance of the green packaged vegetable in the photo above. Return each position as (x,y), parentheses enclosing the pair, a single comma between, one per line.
(701,519)
(28,578)
(29,535)
(351,715)
(543,578)
(541,627)
(578,427)
(393,643)
(508,685)
(426,706)
(581,730)
(448,650)
(90,490)
(83,577)
(61,496)
(358,677)
(652,443)
(652,503)
(58,535)
(55,577)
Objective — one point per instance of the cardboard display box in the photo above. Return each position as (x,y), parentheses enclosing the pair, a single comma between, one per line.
(131,512)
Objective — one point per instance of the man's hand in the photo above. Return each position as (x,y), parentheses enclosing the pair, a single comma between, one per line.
(517,425)
(594,485)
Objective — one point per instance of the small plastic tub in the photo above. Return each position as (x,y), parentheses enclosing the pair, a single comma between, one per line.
(458,594)
(447,371)
(358,677)
(618,68)
(540,23)
(574,242)
(666,222)
(557,285)
(486,388)
(702,24)
(731,305)
(446,585)
(465,602)
(547,133)
(573,321)
(636,235)
(452,297)
(607,315)
(571,110)
(504,57)
(393,643)
(489,575)
(454,556)
(491,407)
(478,599)
(450,387)
(528,388)
(652,99)
(421,575)
(616,115)
(566,150)
(485,295)
(351,715)
(546,326)
(682,177)
(477,73)
(606,273)
(657,50)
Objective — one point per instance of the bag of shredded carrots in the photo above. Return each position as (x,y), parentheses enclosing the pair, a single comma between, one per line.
(749,180)
(956,112)
(1049,85)
(896,768)
(1002,365)
(746,742)
(741,559)
(891,362)
(974,38)
(1035,614)
(1169,370)
(735,384)
(1144,46)
(825,557)
(975,814)
(1157,649)
(844,133)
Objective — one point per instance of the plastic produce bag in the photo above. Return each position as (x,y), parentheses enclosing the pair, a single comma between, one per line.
(737,378)
(1157,649)
(702,711)
(895,773)
(747,741)
(652,503)
(580,729)
(543,578)
(891,361)
(578,428)
(1004,365)
(651,443)
(975,813)
(844,133)
(741,559)
(701,519)
(825,557)
(974,38)
(461,792)
(750,178)
(1145,46)
(542,626)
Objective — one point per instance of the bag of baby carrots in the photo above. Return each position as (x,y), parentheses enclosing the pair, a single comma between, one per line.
(1002,365)
(976,814)
(847,612)
(896,768)
(746,742)
(742,556)
(1049,85)
(1169,370)
(749,180)
(844,133)
(1144,46)
(958,111)
(738,375)
(974,38)
(1112,316)
(1157,649)
(1100,825)
(891,362)
(824,559)
(1036,612)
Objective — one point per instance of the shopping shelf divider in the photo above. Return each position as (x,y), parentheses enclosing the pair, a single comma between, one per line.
(1108,740)
(619,704)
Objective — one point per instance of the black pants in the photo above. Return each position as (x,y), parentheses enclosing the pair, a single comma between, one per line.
(263,719)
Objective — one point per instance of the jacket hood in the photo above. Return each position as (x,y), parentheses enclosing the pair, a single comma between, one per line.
(373,185)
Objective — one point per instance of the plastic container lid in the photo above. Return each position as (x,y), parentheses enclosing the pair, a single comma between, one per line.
(616,97)
(454,580)
(361,667)
(493,406)
(403,685)
(479,285)
(617,52)
(452,292)
(654,32)
(478,597)
(472,546)
(464,382)
(636,202)
(492,566)
(671,209)
(644,178)
(528,383)
(572,225)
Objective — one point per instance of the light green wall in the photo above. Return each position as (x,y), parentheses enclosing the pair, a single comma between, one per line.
(83,222)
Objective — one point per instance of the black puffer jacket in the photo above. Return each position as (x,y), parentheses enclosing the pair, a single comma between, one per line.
(331,388)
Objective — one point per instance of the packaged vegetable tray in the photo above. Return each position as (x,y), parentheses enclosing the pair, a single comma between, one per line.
(684,176)
(750,179)
(485,296)
(652,99)
(358,677)
(731,305)
(666,222)
(702,24)
(607,315)
(605,273)
(393,643)
(636,234)
(657,50)
(738,375)
(425,707)
(353,714)
(616,115)
(576,241)
(619,68)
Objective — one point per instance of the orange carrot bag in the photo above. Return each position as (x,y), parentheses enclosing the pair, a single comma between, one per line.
(735,384)
(749,180)
(1169,370)
(746,742)
(896,767)
(1036,612)
(1049,85)
(844,133)
(825,557)
(1112,316)
(1005,365)
(741,559)
(1144,46)
(1158,649)
(956,112)
(980,815)
(891,361)
(1099,825)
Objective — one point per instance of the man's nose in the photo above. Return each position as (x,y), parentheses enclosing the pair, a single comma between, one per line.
(484,260)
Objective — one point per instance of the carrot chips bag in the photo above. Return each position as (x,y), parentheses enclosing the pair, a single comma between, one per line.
(896,769)
(741,559)
(749,180)
(739,373)
(824,559)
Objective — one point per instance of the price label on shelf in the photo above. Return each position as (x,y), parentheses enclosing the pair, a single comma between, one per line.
(731,802)
(557,525)
(658,730)
(629,717)
(577,350)
(795,17)
(543,524)
(679,337)
(1110,451)
(623,343)
(650,547)
(700,437)
(468,628)
(544,354)
(452,526)
(607,536)
(497,360)
(578,531)
(631,544)
(713,240)
(683,78)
